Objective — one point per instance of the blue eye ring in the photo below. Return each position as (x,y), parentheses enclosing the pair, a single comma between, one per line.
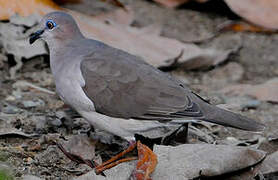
(50,24)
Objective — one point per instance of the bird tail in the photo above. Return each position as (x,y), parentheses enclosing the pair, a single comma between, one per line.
(226,118)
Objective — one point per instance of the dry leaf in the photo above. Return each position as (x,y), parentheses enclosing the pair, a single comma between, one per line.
(155,49)
(191,161)
(270,164)
(14,39)
(259,12)
(25,7)
(265,92)
(81,145)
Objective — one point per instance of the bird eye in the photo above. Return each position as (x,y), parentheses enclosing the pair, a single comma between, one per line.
(50,24)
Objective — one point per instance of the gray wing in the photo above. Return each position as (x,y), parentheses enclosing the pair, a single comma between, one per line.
(122,85)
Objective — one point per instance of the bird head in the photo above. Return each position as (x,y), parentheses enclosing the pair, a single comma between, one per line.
(56,26)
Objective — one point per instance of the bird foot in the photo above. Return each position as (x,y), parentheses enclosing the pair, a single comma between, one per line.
(146,164)
(115,160)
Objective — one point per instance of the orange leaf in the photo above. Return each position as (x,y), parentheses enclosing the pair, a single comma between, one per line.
(25,7)
(146,163)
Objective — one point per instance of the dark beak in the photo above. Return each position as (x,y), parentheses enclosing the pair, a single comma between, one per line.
(35,36)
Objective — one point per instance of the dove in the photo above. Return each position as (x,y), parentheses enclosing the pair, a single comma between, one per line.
(119,92)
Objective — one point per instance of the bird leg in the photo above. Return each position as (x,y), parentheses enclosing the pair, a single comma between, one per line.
(112,162)
(180,135)
(100,169)
(146,164)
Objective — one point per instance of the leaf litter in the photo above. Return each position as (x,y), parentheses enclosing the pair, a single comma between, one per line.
(155,49)
(48,161)
(266,91)
(259,13)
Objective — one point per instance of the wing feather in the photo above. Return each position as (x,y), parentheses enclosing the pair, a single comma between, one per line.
(122,85)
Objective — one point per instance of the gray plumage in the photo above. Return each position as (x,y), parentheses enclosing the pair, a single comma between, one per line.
(119,92)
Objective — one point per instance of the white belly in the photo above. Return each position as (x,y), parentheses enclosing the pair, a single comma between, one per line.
(72,94)
(126,128)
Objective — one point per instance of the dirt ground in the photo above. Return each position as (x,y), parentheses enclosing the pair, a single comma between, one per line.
(43,115)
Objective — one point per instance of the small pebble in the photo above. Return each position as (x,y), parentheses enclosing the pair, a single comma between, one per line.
(30,104)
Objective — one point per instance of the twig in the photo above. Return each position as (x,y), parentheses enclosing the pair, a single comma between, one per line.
(24,83)
(78,159)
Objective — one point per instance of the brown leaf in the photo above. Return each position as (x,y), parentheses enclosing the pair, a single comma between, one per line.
(270,164)
(81,145)
(259,12)
(76,158)
(80,149)
(146,163)
(265,92)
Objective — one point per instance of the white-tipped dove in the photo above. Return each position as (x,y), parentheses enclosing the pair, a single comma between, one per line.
(118,92)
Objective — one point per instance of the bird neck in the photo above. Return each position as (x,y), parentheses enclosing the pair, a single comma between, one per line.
(56,45)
